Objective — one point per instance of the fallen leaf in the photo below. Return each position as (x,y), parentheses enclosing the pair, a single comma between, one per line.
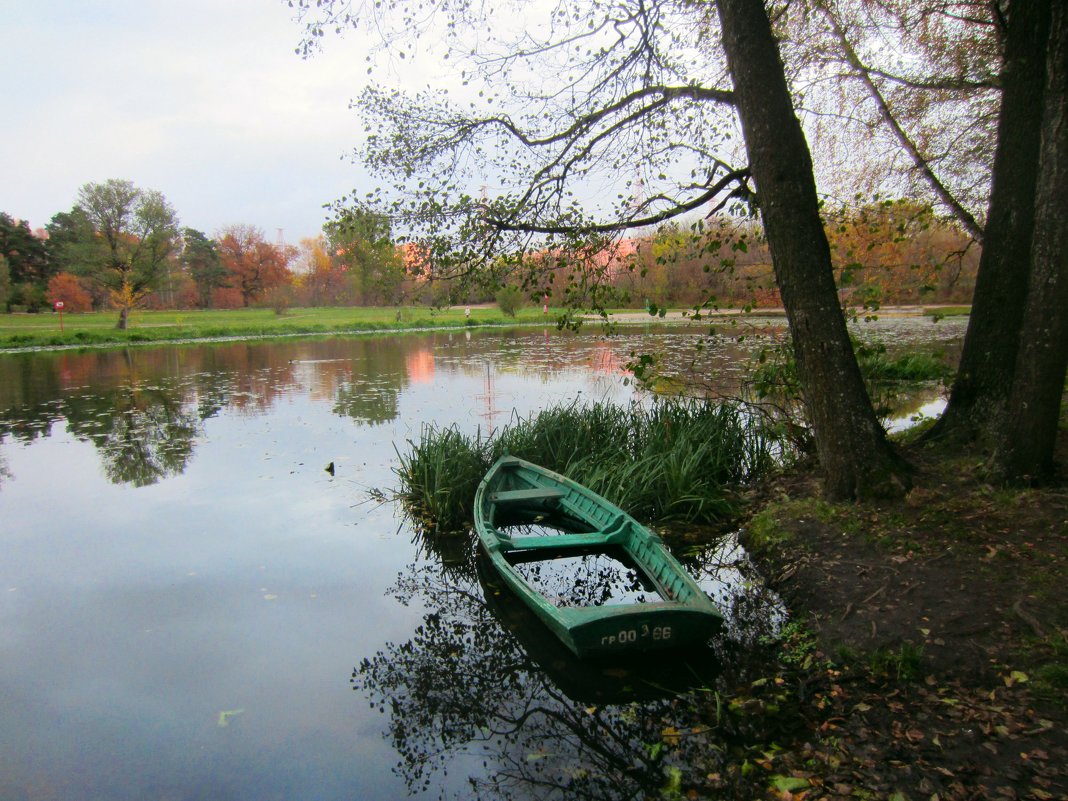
(789,784)
(1015,677)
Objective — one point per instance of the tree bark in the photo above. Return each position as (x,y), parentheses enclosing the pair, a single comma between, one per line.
(855,457)
(1030,431)
(981,388)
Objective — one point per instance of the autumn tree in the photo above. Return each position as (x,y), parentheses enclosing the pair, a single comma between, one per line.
(1028,430)
(122,237)
(323,277)
(73,248)
(964,93)
(68,288)
(724,263)
(1017,310)
(854,453)
(962,111)
(253,264)
(900,97)
(899,251)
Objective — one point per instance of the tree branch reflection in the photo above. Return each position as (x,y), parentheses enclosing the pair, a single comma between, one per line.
(482,682)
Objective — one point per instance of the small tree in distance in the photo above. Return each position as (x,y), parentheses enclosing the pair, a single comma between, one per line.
(200,258)
(509,300)
(133,233)
(253,264)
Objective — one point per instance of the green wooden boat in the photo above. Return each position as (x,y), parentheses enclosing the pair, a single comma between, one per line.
(528,516)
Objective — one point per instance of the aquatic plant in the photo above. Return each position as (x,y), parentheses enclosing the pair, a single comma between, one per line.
(679,459)
(439,475)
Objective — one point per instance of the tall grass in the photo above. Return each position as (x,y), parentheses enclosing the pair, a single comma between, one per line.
(918,366)
(678,460)
(439,475)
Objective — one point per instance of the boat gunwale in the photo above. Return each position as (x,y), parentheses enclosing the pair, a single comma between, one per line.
(567,621)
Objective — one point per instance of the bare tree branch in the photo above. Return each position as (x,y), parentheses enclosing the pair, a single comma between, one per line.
(738,177)
(919,160)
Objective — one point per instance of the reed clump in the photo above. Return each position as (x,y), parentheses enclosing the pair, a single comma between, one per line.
(678,459)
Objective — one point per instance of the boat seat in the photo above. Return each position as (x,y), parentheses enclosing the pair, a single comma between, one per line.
(615,526)
(519,496)
(556,542)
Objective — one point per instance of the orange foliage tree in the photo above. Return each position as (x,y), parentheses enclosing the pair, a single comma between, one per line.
(253,264)
(899,252)
(324,279)
(722,261)
(884,252)
(69,289)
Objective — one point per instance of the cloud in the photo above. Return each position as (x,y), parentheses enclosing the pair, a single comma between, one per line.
(203,100)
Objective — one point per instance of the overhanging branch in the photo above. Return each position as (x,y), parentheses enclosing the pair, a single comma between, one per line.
(919,161)
(664,94)
(738,176)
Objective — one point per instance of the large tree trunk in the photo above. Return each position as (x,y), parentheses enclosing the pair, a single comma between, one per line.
(1030,430)
(981,388)
(854,455)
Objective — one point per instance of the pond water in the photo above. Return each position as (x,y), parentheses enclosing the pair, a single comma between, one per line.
(193,606)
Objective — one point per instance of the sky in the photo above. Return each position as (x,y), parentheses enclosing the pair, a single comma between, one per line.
(203,100)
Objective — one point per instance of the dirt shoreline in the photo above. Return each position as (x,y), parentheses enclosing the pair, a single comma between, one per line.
(940,627)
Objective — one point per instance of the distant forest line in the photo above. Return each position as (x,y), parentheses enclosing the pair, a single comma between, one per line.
(889,252)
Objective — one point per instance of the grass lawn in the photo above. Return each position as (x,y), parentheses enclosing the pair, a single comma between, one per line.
(948,311)
(98,328)
(93,328)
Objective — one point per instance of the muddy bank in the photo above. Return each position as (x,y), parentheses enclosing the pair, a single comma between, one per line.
(937,636)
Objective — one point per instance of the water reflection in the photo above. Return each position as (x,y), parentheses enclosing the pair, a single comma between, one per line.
(221,568)
(483,685)
(143,435)
(481,682)
(144,409)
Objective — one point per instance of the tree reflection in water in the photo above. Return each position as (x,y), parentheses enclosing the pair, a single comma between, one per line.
(144,409)
(483,679)
(143,434)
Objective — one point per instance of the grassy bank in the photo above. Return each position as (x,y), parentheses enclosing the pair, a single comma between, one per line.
(98,328)
(939,312)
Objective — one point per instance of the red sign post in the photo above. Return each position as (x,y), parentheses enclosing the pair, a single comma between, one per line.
(59,308)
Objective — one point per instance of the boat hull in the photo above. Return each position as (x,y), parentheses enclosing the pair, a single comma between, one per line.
(516,492)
